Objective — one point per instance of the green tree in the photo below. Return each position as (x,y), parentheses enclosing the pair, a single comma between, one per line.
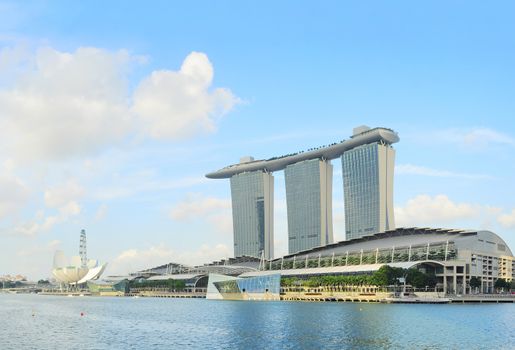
(501,283)
(419,279)
(381,276)
(287,281)
(475,282)
(387,275)
(313,282)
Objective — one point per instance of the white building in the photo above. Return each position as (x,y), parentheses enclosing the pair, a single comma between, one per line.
(453,256)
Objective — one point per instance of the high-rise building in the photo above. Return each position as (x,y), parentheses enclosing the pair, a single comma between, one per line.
(368,160)
(368,189)
(252,196)
(309,204)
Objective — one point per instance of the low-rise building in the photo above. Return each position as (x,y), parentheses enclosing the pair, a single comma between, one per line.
(453,256)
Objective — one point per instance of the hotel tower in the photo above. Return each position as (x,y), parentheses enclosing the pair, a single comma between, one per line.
(367,166)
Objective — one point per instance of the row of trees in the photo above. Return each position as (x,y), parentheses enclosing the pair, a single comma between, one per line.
(499,284)
(385,276)
(502,284)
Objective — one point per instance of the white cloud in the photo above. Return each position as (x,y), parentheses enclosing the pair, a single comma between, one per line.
(475,138)
(410,169)
(280,226)
(62,200)
(14,194)
(44,223)
(138,259)
(38,225)
(70,209)
(66,104)
(101,212)
(507,220)
(178,104)
(63,195)
(222,222)
(33,258)
(195,206)
(484,136)
(129,185)
(49,248)
(338,221)
(10,59)
(216,211)
(59,106)
(438,210)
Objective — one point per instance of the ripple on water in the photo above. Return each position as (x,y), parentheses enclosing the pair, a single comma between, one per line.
(50,322)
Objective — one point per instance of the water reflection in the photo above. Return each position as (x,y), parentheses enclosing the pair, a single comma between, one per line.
(45,322)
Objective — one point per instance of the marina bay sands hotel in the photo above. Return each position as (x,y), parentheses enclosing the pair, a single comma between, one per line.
(367,167)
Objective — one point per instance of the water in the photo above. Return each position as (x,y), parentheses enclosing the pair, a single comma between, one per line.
(149,323)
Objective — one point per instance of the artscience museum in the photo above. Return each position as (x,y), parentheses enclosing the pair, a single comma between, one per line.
(77,269)
(71,271)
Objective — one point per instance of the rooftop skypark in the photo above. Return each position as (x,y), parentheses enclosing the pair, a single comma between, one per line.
(332,151)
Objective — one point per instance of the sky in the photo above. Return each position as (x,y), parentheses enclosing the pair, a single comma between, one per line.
(111,113)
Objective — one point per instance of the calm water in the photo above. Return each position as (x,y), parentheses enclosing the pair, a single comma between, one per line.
(148,323)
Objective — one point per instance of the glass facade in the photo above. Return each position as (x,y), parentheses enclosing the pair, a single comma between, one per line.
(270,284)
(309,204)
(252,211)
(368,189)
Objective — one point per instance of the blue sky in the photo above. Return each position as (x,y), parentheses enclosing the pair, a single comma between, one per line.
(111,113)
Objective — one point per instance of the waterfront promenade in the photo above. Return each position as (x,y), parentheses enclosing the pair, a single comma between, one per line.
(320,294)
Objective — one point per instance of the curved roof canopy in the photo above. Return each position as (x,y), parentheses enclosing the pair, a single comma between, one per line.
(351,269)
(481,240)
(333,151)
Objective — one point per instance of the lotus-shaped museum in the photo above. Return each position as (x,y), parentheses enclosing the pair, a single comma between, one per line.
(75,271)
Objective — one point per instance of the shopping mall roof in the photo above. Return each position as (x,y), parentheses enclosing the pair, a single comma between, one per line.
(403,237)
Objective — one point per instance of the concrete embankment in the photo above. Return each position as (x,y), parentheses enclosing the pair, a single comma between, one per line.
(152,294)
(334,296)
(65,294)
(492,298)
(380,296)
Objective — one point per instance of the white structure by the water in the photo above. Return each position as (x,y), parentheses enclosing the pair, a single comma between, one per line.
(452,256)
(71,271)
(78,269)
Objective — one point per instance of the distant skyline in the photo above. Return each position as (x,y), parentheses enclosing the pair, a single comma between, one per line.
(112,113)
